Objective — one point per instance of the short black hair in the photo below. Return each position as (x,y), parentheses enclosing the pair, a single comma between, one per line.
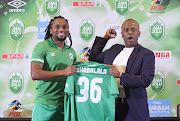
(131,20)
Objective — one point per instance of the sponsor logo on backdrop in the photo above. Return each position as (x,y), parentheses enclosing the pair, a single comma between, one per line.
(15,105)
(15,56)
(52,7)
(158,82)
(17,4)
(16,30)
(16,82)
(87,4)
(178,82)
(116,27)
(85,54)
(157,28)
(159,108)
(156,5)
(162,55)
(122,6)
(87,28)
(15,111)
(42,25)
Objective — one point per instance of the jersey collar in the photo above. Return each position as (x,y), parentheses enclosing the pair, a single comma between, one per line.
(52,44)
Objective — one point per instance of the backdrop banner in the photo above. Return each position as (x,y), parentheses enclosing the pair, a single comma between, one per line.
(22,26)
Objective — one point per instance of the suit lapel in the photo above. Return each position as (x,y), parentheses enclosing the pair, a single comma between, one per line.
(132,57)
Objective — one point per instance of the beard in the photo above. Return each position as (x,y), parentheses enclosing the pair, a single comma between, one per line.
(61,39)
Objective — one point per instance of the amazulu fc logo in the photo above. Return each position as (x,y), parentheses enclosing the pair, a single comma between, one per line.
(87,29)
(122,6)
(157,29)
(16,82)
(52,7)
(158,83)
(16,30)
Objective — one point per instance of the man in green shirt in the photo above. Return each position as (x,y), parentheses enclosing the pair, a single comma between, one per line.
(51,63)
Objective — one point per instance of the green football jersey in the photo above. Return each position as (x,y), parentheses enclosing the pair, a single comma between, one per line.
(53,58)
(90,93)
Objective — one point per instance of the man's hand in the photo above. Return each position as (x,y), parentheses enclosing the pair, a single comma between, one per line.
(121,68)
(70,70)
(110,33)
(114,71)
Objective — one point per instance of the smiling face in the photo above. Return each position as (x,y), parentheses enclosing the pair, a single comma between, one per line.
(59,29)
(130,33)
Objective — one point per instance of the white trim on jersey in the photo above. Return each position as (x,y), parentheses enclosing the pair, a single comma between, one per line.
(38,60)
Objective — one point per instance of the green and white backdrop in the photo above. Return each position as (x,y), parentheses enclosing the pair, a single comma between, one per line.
(22,25)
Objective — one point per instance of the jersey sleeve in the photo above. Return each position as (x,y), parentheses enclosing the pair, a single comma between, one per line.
(114,87)
(39,53)
(69,86)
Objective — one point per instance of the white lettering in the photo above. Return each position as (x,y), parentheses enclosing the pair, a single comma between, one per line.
(16,10)
(91,70)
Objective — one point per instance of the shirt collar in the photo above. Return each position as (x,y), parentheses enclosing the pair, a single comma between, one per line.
(52,44)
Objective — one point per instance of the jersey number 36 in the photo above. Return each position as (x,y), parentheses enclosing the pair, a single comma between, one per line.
(93,88)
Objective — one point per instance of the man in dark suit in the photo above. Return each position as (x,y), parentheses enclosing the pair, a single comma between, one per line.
(140,65)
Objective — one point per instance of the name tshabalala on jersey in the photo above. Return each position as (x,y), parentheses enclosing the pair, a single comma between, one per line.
(91,70)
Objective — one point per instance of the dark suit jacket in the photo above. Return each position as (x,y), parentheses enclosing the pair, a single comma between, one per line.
(139,74)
